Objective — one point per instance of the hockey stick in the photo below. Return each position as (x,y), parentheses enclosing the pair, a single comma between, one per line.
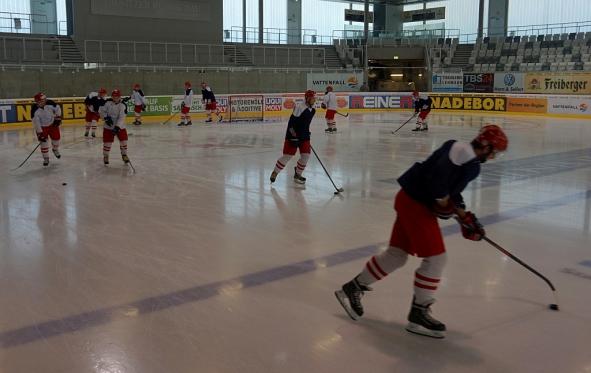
(26,159)
(338,190)
(132,168)
(553,306)
(343,115)
(170,118)
(404,124)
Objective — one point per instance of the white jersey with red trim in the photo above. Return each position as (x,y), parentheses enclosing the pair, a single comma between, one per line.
(44,116)
(138,98)
(188,99)
(117,113)
(330,100)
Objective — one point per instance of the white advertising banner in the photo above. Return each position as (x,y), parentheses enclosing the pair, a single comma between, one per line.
(341,82)
(569,105)
(509,82)
(448,82)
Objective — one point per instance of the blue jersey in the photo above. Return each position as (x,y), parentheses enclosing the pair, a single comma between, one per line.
(446,172)
(423,104)
(299,122)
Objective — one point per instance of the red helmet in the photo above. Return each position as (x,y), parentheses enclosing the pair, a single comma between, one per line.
(494,136)
(309,93)
(187,84)
(102,92)
(116,93)
(136,86)
(40,97)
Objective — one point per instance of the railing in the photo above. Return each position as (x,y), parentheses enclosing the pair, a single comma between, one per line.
(132,52)
(165,68)
(27,48)
(237,34)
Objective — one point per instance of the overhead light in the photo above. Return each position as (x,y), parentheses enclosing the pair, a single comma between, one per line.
(420,75)
(396,75)
(395,57)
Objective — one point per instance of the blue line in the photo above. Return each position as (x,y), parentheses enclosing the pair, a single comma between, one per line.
(586,263)
(81,321)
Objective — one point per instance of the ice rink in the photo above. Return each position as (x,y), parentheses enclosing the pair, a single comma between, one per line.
(195,263)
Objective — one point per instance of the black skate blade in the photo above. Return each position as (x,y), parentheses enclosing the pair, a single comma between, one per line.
(343,300)
(421,330)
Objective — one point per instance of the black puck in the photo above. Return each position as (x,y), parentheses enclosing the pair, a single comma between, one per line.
(64,183)
(553,307)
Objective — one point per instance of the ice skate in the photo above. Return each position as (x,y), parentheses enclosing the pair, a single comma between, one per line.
(93,134)
(350,298)
(86,134)
(189,123)
(125,158)
(421,322)
(56,153)
(273,176)
(106,159)
(298,178)
(181,124)
(46,162)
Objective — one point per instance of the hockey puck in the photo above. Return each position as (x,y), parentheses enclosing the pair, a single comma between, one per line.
(553,307)
(336,193)
(64,183)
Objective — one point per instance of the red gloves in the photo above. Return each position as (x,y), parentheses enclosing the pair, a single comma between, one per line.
(471,227)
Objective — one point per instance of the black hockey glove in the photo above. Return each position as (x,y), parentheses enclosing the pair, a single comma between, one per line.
(116,130)
(57,121)
(183,104)
(125,99)
(41,137)
(108,121)
(143,107)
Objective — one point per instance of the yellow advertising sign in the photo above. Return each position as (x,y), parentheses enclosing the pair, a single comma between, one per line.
(558,83)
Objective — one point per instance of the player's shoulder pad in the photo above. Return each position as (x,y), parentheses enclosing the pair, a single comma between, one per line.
(50,103)
(461,153)
(141,92)
(34,108)
(299,109)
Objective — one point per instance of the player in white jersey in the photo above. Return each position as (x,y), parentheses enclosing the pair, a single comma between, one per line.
(330,104)
(113,114)
(186,105)
(139,101)
(47,117)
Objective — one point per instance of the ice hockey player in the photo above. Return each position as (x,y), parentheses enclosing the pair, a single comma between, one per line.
(139,101)
(330,104)
(113,114)
(47,117)
(186,105)
(422,105)
(93,102)
(429,190)
(297,137)
(210,102)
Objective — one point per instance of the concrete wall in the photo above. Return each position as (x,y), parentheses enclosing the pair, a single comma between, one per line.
(24,84)
(195,21)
